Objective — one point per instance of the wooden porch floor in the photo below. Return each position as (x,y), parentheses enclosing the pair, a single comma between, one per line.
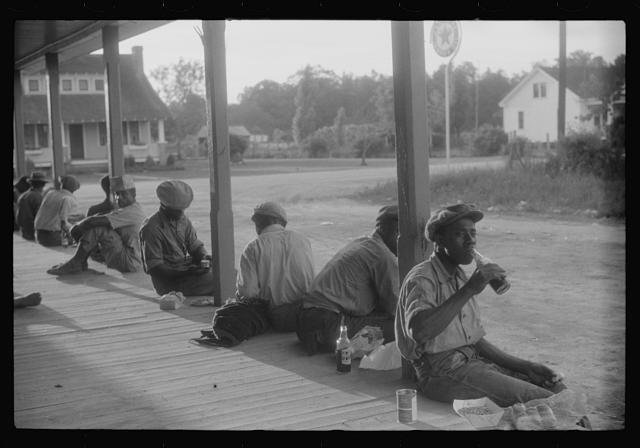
(99,353)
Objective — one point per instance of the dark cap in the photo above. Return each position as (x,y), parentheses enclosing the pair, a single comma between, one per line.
(450,214)
(388,212)
(69,183)
(270,209)
(37,176)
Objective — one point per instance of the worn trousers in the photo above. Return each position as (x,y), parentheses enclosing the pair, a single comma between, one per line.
(191,285)
(116,255)
(464,375)
(49,238)
(318,328)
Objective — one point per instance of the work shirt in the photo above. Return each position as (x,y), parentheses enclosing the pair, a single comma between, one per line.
(127,221)
(277,266)
(56,206)
(427,286)
(168,242)
(28,206)
(360,278)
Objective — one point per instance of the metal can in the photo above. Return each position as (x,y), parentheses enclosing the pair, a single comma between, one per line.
(205,263)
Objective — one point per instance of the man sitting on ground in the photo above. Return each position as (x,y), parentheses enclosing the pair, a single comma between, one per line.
(360,282)
(29,204)
(57,212)
(171,250)
(114,234)
(438,326)
(105,206)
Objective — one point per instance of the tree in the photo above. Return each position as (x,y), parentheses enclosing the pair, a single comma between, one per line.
(177,81)
(338,125)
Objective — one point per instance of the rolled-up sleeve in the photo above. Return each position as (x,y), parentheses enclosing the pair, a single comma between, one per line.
(192,243)
(421,296)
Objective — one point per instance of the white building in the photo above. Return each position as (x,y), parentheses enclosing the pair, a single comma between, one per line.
(530,109)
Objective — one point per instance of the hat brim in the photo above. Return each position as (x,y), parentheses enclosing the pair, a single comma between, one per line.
(270,214)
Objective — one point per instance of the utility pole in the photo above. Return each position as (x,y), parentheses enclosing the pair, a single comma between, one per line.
(475,78)
(562,79)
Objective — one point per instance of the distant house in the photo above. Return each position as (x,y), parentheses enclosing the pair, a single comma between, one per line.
(617,103)
(530,109)
(202,136)
(82,98)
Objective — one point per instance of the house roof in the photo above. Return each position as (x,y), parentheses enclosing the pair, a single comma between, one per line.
(139,101)
(240,131)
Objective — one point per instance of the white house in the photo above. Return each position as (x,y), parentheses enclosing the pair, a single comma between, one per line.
(530,109)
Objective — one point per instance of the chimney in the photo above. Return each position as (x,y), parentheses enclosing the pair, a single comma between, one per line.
(138,63)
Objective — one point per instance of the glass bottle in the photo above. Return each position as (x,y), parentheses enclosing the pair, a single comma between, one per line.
(343,352)
(499,285)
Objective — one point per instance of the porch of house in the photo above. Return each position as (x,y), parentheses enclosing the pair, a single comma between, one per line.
(99,353)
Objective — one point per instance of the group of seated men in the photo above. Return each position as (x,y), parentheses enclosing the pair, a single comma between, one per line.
(432,314)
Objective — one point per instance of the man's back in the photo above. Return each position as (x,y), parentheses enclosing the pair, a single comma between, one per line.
(361,277)
(28,206)
(56,206)
(277,266)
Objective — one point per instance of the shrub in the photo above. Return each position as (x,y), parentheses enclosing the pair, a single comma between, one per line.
(374,146)
(129,161)
(171,160)
(149,162)
(587,153)
(237,147)
(489,140)
(316,148)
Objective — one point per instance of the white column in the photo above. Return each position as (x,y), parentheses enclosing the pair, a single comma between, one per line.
(161,131)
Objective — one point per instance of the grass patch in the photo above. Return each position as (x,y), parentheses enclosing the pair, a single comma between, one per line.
(529,190)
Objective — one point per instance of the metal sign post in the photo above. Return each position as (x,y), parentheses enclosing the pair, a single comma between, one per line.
(445,37)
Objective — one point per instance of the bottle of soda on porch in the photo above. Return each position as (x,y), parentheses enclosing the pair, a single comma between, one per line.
(343,352)
(499,285)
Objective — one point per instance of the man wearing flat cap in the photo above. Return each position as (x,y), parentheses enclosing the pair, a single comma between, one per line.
(58,211)
(171,250)
(29,204)
(438,327)
(360,283)
(114,234)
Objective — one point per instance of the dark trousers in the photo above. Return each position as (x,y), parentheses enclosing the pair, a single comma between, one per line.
(318,329)
(49,238)
(190,285)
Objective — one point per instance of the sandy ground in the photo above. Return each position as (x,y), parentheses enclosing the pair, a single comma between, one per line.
(566,306)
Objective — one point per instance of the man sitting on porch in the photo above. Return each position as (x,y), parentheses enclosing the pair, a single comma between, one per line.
(114,234)
(105,206)
(58,211)
(360,282)
(171,250)
(29,204)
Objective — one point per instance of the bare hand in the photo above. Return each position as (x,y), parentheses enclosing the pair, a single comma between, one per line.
(542,375)
(483,275)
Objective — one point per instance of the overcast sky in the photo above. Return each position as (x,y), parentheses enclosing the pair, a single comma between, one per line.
(258,50)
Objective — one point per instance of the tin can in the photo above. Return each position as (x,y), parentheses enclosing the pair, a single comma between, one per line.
(205,263)
(407,404)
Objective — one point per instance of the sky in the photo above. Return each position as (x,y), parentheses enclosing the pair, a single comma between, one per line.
(267,49)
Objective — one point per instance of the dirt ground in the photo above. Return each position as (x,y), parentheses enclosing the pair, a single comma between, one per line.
(566,307)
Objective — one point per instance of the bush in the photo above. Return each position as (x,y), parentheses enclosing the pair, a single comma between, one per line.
(149,162)
(129,162)
(316,148)
(237,147)
(374,146)
(171,160)
(587,153)
(489,140)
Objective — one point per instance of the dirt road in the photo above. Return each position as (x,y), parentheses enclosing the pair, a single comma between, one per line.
(566,306)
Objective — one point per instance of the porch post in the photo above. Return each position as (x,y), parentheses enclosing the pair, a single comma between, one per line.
(18,123)
(412,148)
(222,241)
(113,108)
(55,115)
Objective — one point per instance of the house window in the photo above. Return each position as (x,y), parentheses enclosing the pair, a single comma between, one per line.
(125,134)
(520,120)
(535,91)
(154,130)
(543,90)
(83,85)
(30,136)
(102,133)
(100,85)
(134,131)
(66,85)
(42,132)
(596,121)
(34,85)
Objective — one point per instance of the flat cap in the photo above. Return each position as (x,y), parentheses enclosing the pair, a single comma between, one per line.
(120,183)
(270,209)
(450,214)
(175,194)
(70,183)
(37,176)
(387,212)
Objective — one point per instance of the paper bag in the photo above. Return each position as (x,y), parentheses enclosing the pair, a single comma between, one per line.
(385,357)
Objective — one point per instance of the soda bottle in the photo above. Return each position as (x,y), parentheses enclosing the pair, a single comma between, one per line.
(499,285)
(343,352)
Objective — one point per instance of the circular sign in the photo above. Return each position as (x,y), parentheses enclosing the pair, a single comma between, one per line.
(445,37)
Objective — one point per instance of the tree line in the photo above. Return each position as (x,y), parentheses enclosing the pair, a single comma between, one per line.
(315,98)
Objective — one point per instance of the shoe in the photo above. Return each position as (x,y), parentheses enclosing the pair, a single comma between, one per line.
(69,268)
